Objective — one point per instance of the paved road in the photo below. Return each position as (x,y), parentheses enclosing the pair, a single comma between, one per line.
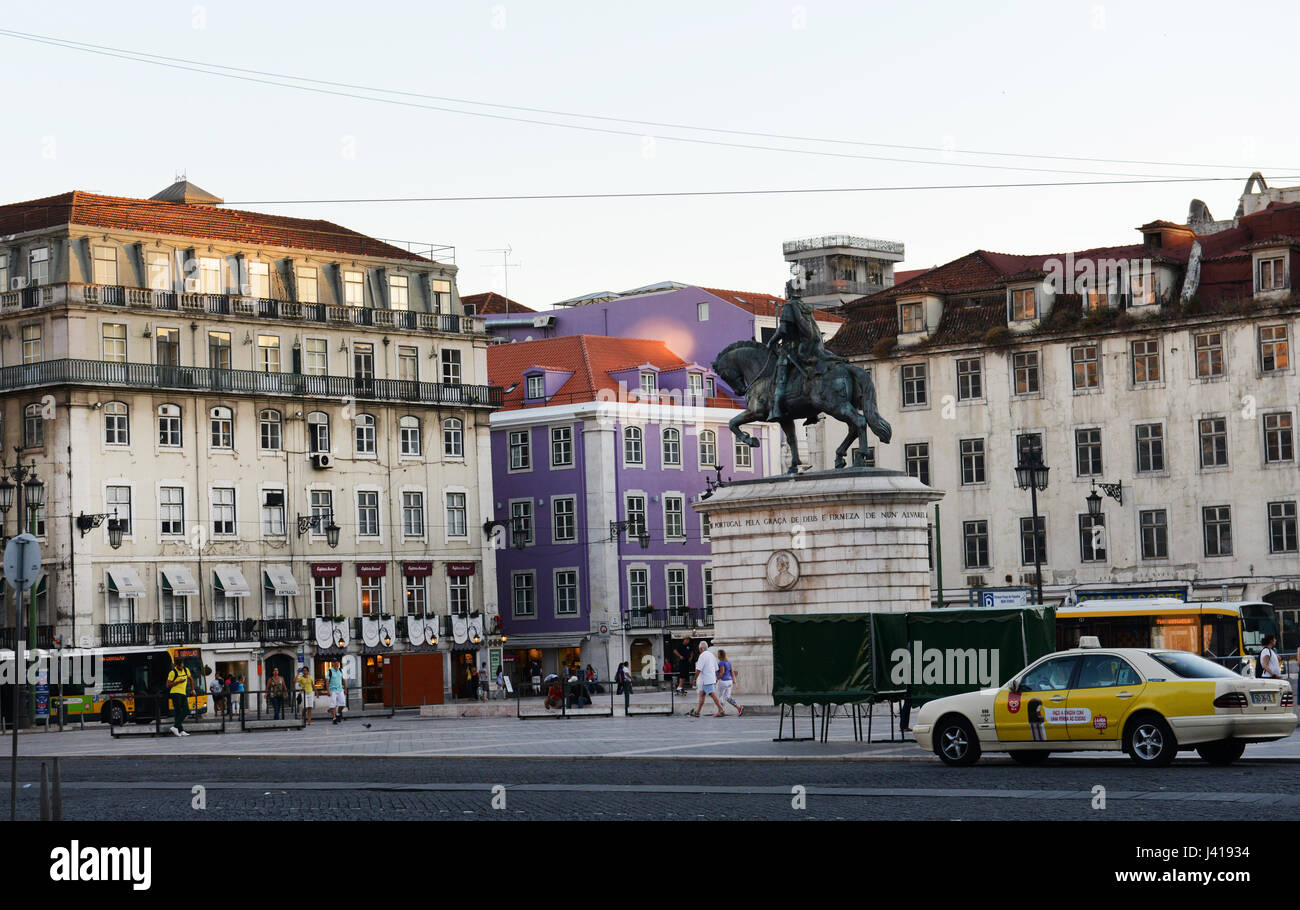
(352,788)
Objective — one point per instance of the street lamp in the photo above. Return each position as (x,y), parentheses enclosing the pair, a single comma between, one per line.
(1114,490)
(26,484)
(1031,473)
(315,523)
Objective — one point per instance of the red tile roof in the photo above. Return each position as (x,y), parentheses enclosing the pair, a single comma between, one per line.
(198,221)
(761,304)
(492,303)
(908,274)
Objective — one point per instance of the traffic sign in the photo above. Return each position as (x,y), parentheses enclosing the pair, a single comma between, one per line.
(22,562)
(604,628)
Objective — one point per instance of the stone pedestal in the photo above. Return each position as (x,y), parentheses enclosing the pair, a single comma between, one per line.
(846,541)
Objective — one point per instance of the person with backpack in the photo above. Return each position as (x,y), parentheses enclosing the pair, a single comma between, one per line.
(178,686)
(218,692)
(1269,666)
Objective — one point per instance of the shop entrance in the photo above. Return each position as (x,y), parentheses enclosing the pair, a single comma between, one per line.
(463,667)
(643,665)
(373,688)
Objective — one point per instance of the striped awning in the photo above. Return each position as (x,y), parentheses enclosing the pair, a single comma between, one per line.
(124,581)
(230,581)
(280,579)
(179,580)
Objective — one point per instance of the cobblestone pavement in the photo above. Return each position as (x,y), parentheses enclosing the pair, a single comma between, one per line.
(312,788)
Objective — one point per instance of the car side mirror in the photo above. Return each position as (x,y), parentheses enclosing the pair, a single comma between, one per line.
(1013,686)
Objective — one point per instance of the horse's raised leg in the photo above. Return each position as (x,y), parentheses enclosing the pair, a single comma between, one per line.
(739,420)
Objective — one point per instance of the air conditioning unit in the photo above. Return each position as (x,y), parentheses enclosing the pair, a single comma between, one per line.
(17,283)
(191,285)
(322,460)
(975,581)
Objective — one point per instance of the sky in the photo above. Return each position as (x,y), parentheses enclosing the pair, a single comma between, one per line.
(1200,92)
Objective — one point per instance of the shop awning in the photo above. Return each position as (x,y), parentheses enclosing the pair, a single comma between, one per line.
(543,640)
(179,581)
(280,579)
(125,581)
(230,581)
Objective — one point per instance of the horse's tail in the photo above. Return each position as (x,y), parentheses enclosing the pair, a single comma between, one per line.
(866,403)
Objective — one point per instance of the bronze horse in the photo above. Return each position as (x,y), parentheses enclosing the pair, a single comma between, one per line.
(843,391)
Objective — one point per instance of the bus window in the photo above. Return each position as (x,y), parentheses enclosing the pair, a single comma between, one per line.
(118,676)
(195,667)
(1256,622)
(1128,632)
(1176,633)
(1219,637)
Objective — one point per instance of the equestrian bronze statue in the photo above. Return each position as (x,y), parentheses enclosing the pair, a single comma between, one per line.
(794,377)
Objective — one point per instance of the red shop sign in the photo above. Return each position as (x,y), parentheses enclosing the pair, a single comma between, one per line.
(460,569)
(416,569)
(326,569)
(371,569)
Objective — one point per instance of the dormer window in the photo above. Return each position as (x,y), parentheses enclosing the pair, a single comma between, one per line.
(696,384)
(649,383)
(1024,304)
(1270,274)
(911,317)
(1097,299)
(537,386)
(1143,285)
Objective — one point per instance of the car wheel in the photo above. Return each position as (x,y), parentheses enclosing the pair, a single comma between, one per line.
(114,714)
(955,741)
(1221,753)
(1149,741)
(1029,756)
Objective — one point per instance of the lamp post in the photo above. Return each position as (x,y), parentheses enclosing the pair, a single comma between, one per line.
(31,495)
(1031,473)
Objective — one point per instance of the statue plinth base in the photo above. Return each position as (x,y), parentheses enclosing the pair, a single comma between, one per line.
(847,541)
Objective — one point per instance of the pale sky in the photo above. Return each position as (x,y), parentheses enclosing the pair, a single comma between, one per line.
(1199,83)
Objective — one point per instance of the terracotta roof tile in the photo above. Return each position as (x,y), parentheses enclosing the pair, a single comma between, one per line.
(492,303)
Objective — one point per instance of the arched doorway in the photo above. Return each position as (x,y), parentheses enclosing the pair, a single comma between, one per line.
(282,662)
(1287,605)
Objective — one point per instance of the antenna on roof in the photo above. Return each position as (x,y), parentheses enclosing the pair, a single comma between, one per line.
(506,266)
(180,175)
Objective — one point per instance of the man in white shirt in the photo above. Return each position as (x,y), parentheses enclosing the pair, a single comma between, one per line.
(1268,661)
(706,679)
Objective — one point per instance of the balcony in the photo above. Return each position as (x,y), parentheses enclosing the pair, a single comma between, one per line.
(229,630)
(237,306)
(177,633)
(98,373)
(282,630)
(855,288)
(124,633)
(644,619)
(44,637)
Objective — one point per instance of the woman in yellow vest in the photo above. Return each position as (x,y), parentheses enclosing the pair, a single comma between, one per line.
(178,684)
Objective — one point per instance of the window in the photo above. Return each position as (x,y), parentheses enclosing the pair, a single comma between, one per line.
(1086,367)
(1024,304)
(116,429)
(316,357)
(1029,446)
(270,430)
(408,363)
(323,597)
(633,452)
(521,518)
(911,317)
(917,455)
(537,386)
(268,353)
(372,595)
(223,511)
(1153,525)
(450,366)
(566,593)
(117,500)
(456,516)
(322,510)
(1146,361)
(114,335)
(676,579)
(210,279)
(458,599)
(410,436)
(38,265)
(169,347)
(635,516)
(105,265)
(413,514)
(672,439)
(398,292)
(706,527)
(1150,447)
(365,434)
(259,279)
(367,513)
(415,594)
(744,457)
(520,450)
(169,425)
(1053,675)
(1142,283)
(915,393)
(1213,433)
(674,518)
(222,423)
(710,387)
(1026,372)
(1209,355)
(564,520)
(120,609)
(1087,452)
(440,292)
(638,589)
(318,431)
(649,383)
(173,607)
(4,272)
(1282,527)
(219,350)
(159,268)
(970,379)
(273,513)
(354,289)
(307,290)
(1271,274)
(1273,349)
(561,447)
(702,312)
(708,590)
(1092,538)
(453,438)
(523,597)
(975,543)
(171,511)
(1031,543)
(972,461)
(1217,522)
(695,385)
(1278,440)
(32,343)
(708,448)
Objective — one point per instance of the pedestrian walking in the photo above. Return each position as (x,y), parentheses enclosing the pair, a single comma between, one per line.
(706,678)
(237,693)
(277,690)
(306,693)
(726,678)
(338,692)
(1269,666)
(623,685)
(178,686)
(682,661)
(218,692)
(229,687)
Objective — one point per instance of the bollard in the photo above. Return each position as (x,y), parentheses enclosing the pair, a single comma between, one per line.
(58,793)
(45,794)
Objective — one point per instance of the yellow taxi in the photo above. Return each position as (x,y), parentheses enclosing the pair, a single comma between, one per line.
(1147,702)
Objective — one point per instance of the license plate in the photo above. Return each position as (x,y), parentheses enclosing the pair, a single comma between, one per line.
(1263,698)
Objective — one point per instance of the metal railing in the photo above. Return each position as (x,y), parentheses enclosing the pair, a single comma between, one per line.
(125,633)
(149,375)
(44,637)
(177,633)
